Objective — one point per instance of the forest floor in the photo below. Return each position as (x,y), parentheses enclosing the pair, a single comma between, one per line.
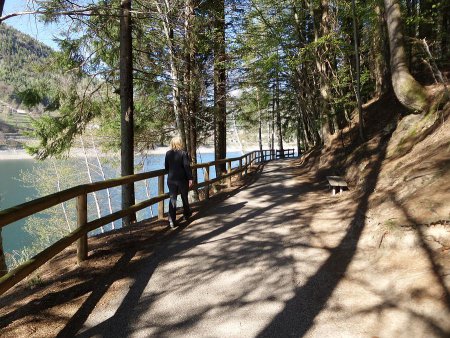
(275,255)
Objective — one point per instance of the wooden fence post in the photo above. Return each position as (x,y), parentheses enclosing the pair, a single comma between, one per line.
(206,180)
(229,171)
(82,244)
(240,168)
(160,192)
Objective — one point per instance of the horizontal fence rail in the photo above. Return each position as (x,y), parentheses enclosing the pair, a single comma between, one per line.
(80,193)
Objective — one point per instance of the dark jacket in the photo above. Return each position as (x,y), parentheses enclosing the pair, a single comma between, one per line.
(177,163)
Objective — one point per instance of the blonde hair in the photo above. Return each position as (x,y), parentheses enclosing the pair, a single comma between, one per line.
(176,144)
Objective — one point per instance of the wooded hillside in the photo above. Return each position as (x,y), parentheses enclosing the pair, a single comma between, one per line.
(20,56)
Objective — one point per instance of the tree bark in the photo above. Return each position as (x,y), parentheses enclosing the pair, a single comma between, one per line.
(328,119)
(2,3)
(272,122)
(358,77)
(277,109)
(191,86)
(126,107)
(381,53)
(260,142)
(174,73)
(220,90)
(408,91)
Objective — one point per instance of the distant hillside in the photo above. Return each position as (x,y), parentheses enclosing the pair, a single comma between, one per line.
(19,55)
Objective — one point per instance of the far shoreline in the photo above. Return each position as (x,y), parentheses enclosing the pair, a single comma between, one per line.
(21,154)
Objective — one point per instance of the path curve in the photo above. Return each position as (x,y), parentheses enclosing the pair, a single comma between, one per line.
(280,258)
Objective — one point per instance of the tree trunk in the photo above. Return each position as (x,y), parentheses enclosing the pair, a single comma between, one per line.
(260,126)
(126,107)
(299,135)
(272,123)
(411,29)
(191,87)
(381,53)
(358,76)
(327,119)
(277,109)
(2,3)
(174,74)
(408,91)
(220,90)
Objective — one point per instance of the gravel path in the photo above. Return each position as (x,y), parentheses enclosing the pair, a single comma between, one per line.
(280,258)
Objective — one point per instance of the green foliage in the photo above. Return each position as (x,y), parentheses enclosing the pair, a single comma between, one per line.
(20,56)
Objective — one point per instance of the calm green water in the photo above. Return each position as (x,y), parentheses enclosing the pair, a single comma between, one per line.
(13,192)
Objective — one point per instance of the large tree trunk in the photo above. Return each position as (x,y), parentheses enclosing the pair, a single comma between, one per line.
(2,3)
(126,107)
(408,91)
(380,47)
(191,87)
(220,87)
(323,29)
(164,11)
(357,69)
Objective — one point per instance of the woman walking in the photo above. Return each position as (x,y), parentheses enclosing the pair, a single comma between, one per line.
(179,178)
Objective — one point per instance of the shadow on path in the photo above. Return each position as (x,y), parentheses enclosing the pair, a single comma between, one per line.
(299,312)
(141,270)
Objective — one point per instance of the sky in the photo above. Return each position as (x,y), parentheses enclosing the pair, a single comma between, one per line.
(29,24)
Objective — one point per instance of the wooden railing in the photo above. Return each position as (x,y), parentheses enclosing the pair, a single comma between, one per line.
(80,192)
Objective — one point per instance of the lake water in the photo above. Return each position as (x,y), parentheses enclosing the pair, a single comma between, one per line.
(14,192)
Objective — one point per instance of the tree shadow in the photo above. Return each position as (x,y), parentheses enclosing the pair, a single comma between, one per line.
(431,256)
(95,282)
(152,257)
(389,300)
(136,302)
(299,312)
(298,315)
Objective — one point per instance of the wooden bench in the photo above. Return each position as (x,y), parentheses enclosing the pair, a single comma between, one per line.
(336,182)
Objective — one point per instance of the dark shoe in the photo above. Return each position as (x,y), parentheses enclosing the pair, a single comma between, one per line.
(172,225)
(186,217)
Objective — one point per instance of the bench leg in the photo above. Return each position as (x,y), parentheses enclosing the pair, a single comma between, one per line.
(340,190)
(334,192)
